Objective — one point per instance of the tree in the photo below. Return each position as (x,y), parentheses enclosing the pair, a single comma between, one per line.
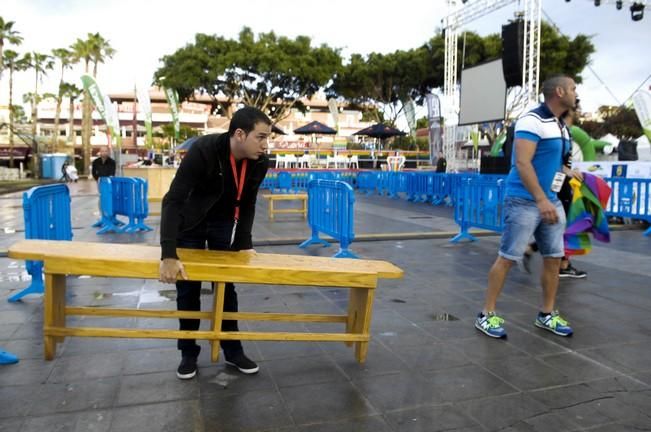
(270,72)
(380,82)
(40,63)
(65,60)
(72,92)
(9,35)
(168,134)
(14,64)
(621,122)
(94,49)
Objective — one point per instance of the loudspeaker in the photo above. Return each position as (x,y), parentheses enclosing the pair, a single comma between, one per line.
(627,150)
(494,165)
(512,35)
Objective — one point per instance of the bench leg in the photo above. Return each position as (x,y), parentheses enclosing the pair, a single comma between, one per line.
(218,313)
(304,208)
(54,314)
(360,308)
(271,208)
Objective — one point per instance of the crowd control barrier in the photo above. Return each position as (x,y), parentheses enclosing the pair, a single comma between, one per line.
(122,196)
(330,211)
(46,211)
(479,204)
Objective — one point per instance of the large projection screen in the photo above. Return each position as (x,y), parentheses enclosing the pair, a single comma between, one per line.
(483,94)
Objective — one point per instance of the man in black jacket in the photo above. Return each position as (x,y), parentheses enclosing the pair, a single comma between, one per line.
(103,166)
(212,201)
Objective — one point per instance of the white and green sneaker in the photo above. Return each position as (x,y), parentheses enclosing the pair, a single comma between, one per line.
(491,325)
(554,323)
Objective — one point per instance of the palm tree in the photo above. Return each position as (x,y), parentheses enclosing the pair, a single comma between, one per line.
(40,63)
(71,91)
(7,33)
(82,51)
(102,50)
(14,64)
(95,49)
(65,59)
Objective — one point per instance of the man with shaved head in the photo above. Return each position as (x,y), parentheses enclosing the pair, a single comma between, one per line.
(103,166)
(531,207)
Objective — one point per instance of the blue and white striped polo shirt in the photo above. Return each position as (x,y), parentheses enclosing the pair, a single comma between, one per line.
(552,140)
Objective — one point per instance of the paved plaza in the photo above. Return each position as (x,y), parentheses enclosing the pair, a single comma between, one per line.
(428,368)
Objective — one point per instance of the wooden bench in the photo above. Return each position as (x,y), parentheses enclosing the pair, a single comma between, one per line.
(287,197)
(63,258)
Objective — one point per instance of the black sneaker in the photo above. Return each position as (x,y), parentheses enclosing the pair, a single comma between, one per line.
(243,364)
(188,368)
(571,272)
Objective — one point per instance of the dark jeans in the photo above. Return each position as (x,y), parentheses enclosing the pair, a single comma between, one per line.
(188,293)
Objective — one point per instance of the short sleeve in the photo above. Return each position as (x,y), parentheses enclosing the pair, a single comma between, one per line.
(528,128)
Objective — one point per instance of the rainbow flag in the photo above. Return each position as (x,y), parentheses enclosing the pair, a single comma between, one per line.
(586,214)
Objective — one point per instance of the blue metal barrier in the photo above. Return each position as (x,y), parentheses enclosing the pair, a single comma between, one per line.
(479,204)
(270,181)
(397,183)
(46,211)
(630,198)
(418,186)
(7,358)
(367,181)
(284,182)
(124,196)
(330,210)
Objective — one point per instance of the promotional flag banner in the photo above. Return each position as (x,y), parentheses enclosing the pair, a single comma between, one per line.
(173,101)
(145,108)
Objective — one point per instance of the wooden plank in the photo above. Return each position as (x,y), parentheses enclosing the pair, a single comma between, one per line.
(180,334)
(49,312)
(140,261)
(218,313)
(289,210)
(173,314)
(137,313)
(128,333)
(305,337)
(285,197)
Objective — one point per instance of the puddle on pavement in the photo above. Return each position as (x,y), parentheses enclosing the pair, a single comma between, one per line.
(398,301)
(443,317)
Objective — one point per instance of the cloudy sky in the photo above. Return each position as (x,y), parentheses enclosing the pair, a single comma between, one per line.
(143,31)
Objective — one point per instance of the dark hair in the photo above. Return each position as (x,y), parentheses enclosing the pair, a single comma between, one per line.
(246,119)
(550,85)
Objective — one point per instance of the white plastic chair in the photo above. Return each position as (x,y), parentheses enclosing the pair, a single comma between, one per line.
(290,161)
(280,161)
(353,161)
(304,161)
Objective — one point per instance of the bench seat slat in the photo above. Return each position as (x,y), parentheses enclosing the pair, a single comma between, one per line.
(173,314)
(139,261)
(181,334)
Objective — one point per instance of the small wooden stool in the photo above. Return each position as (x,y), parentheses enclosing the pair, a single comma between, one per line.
(287,197)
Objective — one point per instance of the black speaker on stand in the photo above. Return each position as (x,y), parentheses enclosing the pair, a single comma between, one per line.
(512,35)
(627,150)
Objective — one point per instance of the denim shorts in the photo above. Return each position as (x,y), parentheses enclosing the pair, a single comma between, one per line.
(521,221)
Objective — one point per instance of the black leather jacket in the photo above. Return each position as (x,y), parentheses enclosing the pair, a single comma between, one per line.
(198,185)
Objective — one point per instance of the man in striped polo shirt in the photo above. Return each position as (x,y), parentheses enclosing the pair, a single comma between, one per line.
(531,207)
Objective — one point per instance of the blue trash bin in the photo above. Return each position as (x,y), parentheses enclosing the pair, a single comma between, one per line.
(46,166)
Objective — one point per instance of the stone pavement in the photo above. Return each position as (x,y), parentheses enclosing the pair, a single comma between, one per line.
(428,369)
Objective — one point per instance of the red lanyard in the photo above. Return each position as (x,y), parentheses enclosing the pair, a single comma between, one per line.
(239,184)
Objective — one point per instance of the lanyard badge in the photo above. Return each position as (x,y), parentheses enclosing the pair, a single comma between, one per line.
(239,186)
